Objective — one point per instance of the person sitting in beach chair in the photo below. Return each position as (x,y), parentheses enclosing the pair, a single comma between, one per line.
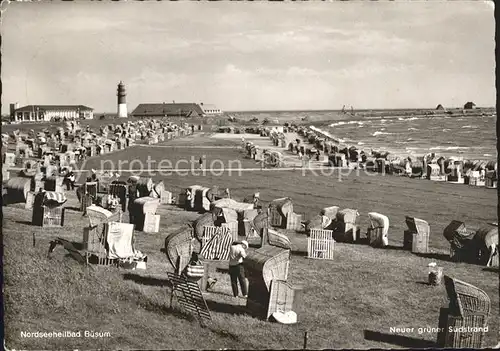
(256,200)
(189,198)
(93,176)
(482,175)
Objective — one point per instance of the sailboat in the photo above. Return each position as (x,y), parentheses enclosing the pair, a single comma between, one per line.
(352,113)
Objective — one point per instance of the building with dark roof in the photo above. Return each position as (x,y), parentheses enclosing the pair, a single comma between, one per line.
(174,110)
(45,113)
(469,105)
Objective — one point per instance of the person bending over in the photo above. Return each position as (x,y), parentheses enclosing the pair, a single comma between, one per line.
(237,254)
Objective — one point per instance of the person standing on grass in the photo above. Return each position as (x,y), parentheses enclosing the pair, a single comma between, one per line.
(237,253)
(71,181)
(133,194)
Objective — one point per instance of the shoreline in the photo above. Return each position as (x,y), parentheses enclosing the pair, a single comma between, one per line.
(389,168)
(402,154)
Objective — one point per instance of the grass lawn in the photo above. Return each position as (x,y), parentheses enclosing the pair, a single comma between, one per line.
(136,158)
(437,203)
(363,289)
(202,139)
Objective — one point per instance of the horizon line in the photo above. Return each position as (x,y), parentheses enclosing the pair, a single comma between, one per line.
(324,110)
(347,110)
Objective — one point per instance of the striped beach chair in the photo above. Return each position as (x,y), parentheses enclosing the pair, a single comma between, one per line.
(216,242)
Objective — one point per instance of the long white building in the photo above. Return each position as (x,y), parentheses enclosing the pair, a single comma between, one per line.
(45,113)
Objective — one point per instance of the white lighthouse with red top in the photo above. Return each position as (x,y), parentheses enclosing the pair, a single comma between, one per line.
(122,103)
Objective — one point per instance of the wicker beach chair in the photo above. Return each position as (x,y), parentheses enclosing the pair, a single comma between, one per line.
(278,211)
(17,189)
(246,226)
(48,209)
(378,230)
(486,243)
(94,235)
(416,237)
(141,208)
(466,299)
(463,323)
(462,244)
(320,222)
(179,244)
(274,238)
(346,227)
(330,212)
(206,219)
(100,216)
(262,267)
(294,221)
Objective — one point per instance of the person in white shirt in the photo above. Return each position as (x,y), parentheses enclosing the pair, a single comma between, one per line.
(237,253)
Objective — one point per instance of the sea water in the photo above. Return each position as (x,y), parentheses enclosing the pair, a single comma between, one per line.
(470,137)
(461,135)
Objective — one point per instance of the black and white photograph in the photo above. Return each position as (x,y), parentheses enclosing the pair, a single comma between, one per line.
(249,175)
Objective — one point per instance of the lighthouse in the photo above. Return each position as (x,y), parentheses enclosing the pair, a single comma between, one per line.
(122,104)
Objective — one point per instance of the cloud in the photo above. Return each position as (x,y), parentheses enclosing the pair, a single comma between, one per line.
(249,55)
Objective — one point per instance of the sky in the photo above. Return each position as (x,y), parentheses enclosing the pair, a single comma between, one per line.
(245,56)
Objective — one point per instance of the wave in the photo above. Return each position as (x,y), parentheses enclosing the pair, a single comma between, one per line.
(472,127)
(450,148)
(361,143)
(487,155)
(412,128)
(380,133)
(328,135)
(322,132)
(409,118)
(341,123)
(446,130)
